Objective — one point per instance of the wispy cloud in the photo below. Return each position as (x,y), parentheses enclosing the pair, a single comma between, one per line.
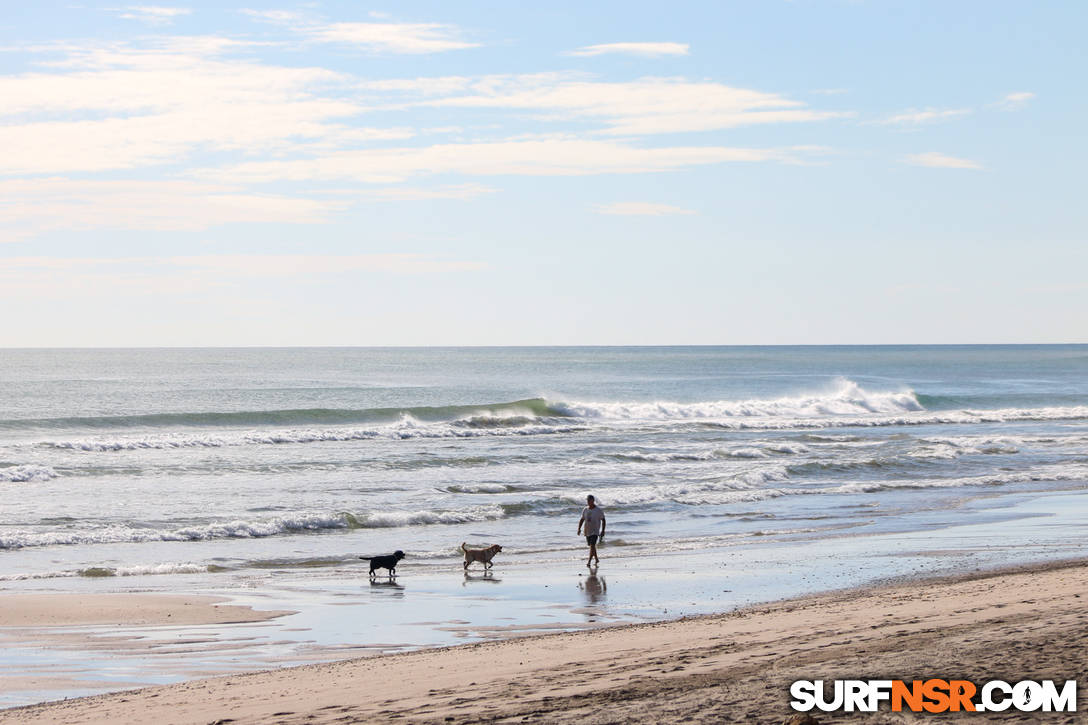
(1015,101)
(937,160)
(377,37)
(645,106)
(650,50)
(397,38)
(207,109)
(278,17)
(118,108)
(153,14)
(917,117)
(640,208)
(562,156)
(292,265)
(459,192)
(33,206)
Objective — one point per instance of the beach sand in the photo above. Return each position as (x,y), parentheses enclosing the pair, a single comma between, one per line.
(1025,623)
(53,610)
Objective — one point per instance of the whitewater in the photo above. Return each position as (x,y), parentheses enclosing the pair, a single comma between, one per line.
(213,463)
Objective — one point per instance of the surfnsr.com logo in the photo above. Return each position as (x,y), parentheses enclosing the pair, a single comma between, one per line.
(935,695)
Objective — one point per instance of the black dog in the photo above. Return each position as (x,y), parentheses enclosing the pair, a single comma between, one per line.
(385,562)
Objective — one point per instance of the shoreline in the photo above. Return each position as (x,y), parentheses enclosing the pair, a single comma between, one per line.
(1015,622)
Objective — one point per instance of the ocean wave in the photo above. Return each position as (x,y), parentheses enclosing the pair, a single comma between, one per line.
(847,398)
(508,411)
(95,572)
(847,405)
(241,529)
(756,451)
(26,474)
(480,488)
(962,417)
(744,486)
(1056,473)
(405,429)
(389,519)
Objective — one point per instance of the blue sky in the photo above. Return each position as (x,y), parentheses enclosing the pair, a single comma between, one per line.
(468,173)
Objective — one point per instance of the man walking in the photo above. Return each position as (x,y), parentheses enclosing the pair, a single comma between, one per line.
(593,519)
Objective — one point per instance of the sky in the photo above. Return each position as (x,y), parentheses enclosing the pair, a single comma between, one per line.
(560,173)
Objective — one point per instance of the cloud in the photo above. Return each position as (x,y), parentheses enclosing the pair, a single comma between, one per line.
(34,206)
(380,37)
(916,117)
(936,160)
(294,265)
(277,17)
(111,107)
(640,208)
(1015,101)
(123,109)
(204,108)
(458,192)
(153,14)
(645,106)
(400,38)
(560,156)
(650,50)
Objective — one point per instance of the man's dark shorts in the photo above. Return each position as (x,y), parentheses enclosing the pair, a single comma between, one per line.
(591,539)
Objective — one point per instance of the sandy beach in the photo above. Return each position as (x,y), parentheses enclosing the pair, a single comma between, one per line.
(1016,624)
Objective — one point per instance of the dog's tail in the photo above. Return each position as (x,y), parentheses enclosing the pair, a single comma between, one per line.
(463,546)
(366,558)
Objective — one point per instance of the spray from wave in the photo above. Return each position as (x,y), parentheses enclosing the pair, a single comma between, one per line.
(845,404)
(846,398)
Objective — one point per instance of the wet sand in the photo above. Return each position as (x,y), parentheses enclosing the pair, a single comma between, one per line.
(58,610)
(1025,623)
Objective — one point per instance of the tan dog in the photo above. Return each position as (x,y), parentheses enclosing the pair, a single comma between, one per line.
(484,556)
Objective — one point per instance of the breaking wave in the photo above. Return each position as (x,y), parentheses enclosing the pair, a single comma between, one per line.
(847,398)
(26,474)
(95,572)
(405,429)
(846,405)
(528,408)
(240,529)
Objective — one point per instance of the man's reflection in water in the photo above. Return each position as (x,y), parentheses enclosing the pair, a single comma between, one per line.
(594,587)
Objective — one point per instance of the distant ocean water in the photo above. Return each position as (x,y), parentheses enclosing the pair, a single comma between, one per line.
(224,463)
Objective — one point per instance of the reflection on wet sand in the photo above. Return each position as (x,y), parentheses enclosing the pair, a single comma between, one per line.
(391,585)
(485,577)
(594,587)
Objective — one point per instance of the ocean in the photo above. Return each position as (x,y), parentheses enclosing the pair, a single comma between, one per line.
(237,470)
(122,462)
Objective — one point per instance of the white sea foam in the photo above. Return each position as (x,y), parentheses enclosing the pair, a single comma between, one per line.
(406,429)
(141,570)
(241,529)
(26,474)
(847,398)
(846,405)
(56,574)
(160,569)
(742,486)
(1057,472)
(957,417)
(415,518)
(478,488)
